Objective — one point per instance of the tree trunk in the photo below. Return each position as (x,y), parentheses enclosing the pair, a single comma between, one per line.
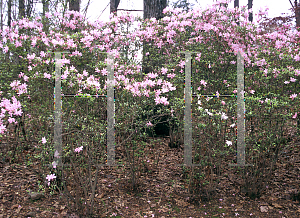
(237,4)
(1,15)
(29,8)
(297,14)
(114,5)
(45,10)
(250,5)
(74,5)
(21,9)
(154,8)
(9,13)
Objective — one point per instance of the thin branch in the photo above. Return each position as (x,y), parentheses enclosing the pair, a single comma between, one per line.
(291,4)
(103,10)
(86,8)
(128,10)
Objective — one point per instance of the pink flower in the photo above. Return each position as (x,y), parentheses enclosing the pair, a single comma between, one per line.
(21,74)
(104,72)
(46,75)
(31,57)
(293,96)
(54,164)
(50,177)
(78,149)
(297,58)
(164,100)
(295,116)
(149,124)
(10,120)
(152,75)
(85,73)
(202,82)
(164,70)
(171,75)
(182,63)
(73,68)
(15,84)
(18,44)
(292,79)
(223,102)
(44,140)
(224,116)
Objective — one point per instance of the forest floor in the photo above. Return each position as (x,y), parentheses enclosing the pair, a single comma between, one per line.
(161,191)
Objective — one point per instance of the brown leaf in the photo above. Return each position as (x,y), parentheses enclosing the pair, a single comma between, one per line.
(276,205)
(181,203)
(263,209)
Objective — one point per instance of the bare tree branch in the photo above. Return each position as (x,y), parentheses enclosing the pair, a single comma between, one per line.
(86,8)
(103,10)
(291,3)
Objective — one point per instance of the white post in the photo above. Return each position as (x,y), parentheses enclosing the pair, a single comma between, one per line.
(110,113)
(240,111)
(188,112)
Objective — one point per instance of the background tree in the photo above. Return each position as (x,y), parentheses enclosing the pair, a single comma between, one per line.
(74,5)
(296,9)
(9,13)
(250,5)
(184,4)
(237,4)
(114,5)
(21,9)
(45,10)
(154,8)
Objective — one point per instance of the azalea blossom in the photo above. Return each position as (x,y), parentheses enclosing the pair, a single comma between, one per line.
(47,76)
(182,63)
(50,177)
(54,164)
(164,70)
(202,82)
(149,124)
(228,142)
(295,116)
(44,140)
(78,149)
(293,96)
(224,116)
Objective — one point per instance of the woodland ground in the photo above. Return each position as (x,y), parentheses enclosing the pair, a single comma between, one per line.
(161,191)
